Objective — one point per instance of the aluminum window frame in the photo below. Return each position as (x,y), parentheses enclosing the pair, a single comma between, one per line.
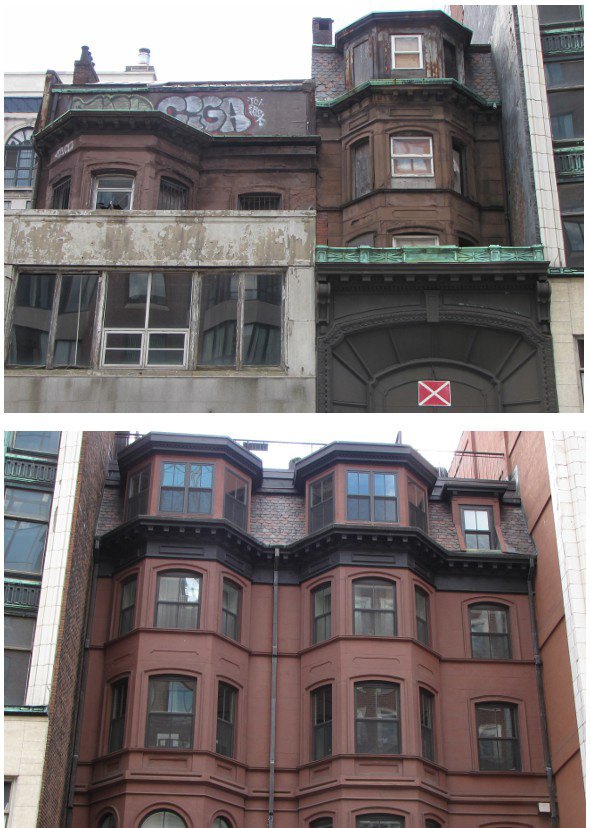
(429,156)
(96,188)
(394,51)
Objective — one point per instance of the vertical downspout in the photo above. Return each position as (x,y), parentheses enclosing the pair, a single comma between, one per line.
(541,696)
(273,691)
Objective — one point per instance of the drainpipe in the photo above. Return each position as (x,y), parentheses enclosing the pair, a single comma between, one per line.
(273,691)
(541,697)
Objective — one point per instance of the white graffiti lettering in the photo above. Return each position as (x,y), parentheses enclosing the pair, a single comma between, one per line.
(64,150)
(213,114)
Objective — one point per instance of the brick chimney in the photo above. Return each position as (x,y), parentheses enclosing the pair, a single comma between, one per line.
(84,68)
(456,13)
(322,30)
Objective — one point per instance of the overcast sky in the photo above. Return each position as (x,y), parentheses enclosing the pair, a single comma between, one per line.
(189,41)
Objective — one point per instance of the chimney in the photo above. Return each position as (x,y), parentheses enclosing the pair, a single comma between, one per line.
(144,57)
(84,68)
(456,13)
(322,31)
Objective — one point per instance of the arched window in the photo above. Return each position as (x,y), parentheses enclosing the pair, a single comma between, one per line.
(324,822)
(490,631)
(163,819)
(19,159)
(497,736)
(221,822)
(108,821)
(380,821)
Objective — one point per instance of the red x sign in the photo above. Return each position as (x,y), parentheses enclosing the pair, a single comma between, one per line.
(434,392)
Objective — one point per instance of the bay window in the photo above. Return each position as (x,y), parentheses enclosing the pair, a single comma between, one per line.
(186,488)
(411,156)
(321,703)
(235,501)
(170,716)
(112,192)
(226,719)
(377,717)
(178,601)
(371,496)
(374,607)
(406,52)
(321,503)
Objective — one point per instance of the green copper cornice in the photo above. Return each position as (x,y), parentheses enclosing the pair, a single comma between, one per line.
(442,254)
(393,83)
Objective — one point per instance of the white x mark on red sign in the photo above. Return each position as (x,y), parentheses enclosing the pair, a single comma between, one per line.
(434,392)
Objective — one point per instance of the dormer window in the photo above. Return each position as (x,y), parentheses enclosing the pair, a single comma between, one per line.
(477,523)
(371,496)
(187,488)
(406,52)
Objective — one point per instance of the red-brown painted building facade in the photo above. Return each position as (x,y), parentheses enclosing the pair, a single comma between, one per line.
(345,643)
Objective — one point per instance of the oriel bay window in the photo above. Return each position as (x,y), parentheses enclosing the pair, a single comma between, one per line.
(377,717)
(118,709)
(138,490)
(411,156)
(178,601)
(170,717)
(186,488)
(146,320)
(321,503)
(235,501)
(427,724)
(321,599)
(241,319)
(230,610)
(371,496)
(321,704)
(490,632)
(497,736)
(226,719)
(374,607)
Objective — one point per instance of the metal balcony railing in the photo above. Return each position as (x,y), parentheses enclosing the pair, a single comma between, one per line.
(562,40)
(442,254)
(38,471)
(479,465)
(22,595)
(569,162)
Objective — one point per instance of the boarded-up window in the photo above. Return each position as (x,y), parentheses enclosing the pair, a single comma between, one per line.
(361,63)
(361,169)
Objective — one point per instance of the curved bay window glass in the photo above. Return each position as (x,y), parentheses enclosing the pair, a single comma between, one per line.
(497,736)
(377,717)
(374,607)
(112,192)
(19,159)
(371,496)
(321,598)
(170,718)
(321,503)
(186,488)
(490,631)
(163,819)
(178,601)
(380,821)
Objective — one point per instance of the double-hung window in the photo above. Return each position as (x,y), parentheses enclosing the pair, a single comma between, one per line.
(18,644)
(178,601)
(171,712)
(118,709)
(377,717)
(417,506)
(427,724)
(230,610)
(127,609)
(478,527)
(235,501)
(138,490)
(490,631)
(241,319)
(186,488)
(226,719)
(321,503)
(321,703)
(112,192)
(26,516)
(406,52)
(361,169)
(371,496)
(497,736)
(53,320)
(322,613)
(374,607)
(422,625)
(146,319)
(411,156)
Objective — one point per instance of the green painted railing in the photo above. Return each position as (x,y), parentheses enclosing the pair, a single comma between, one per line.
(569,161)
(29,470)
(569,40)
(442,254)
(21,594)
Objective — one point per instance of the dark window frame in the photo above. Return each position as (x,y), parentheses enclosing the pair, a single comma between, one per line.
(458,151)
(320,514)
(60,193)
(228,617)
(18,648)
(427,740)
(498,744)
(491,638)
(323,619)
(140,499)
(236,511)
(361,613)
(422,623)
(225,739)
(186,488)
(177,573)
(321,722)
(41,451)
(360,188)
(260,201)
(170,189)
(172,715)
(417,517)
(127,612)
(22,147)
(394,734)
(119,692)
(491,532)
(372,497)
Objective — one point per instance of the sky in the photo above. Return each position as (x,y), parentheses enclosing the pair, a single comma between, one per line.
(189,41)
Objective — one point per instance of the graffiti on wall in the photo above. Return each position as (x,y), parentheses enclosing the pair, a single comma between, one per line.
(106,103)
(213,114)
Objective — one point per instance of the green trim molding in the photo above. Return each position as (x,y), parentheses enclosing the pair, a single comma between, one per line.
(441,254)
(392,83)
(26,710)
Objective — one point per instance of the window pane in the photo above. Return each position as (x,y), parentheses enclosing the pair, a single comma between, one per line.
(126,300)
(173,474)
(361,166)
(166,349)
(558,14)
(262,320)
(46,442)
(24,544)
(16,671)
(170,300)
(122,349)
(567,114)
(411,146)
(75,320)
(219,301)
(564,73)
(173,195)
(32,318)
(114,192)
(27,503)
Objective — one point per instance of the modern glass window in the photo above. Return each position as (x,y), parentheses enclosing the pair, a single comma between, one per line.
(170,717)
(173,195)
(478,528)
(118,709)
(146,319)
(411,156)
(18,643)
(417,506)
(53,322)
(27,503)
(112,192)
(235,500)
(138,491)
(178,601)
(371,496)
(362,178)
(321,503)
(377,717)
(427,724)
(163,819)
(186,488)
(490,631)
(422,620)
(566,109)
(414,240)
(259,201)
(362,64)
(107,821)
(374,607)
(60,199)
(380,821)
(321,599)
(406,51)
(230,610)
(497,736)
(227,698)
(321,711)
(19,159)
(41,442)
(127,612)
(241,319)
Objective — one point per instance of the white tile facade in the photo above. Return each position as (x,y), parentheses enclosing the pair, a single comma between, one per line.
(24,753)
(54,569)
(566,455)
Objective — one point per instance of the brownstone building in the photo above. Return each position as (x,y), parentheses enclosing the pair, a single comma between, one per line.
(344,643)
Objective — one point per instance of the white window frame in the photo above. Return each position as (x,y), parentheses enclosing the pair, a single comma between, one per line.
(145,333)
(96,187)
(433,240)
(430,155)
(419,52)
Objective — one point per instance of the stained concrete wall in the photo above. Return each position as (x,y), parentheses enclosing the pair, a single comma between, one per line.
(190,240)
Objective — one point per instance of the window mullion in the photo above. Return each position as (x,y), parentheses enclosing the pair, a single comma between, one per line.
(96,356)
(240,319)
(53,321)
